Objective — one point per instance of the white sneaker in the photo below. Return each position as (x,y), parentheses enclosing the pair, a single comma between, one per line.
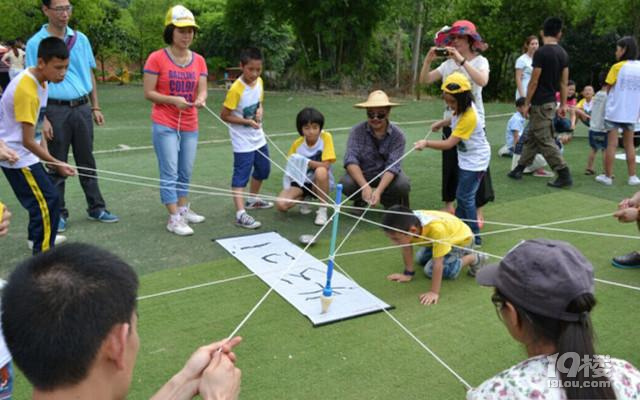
(179,227)
(605,180)
(59,240)
(305,209)
(633,180)
(481,260)
(247,221)
(191,217)
(321,216)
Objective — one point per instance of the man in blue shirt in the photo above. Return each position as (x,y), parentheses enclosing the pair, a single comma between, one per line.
(69,119)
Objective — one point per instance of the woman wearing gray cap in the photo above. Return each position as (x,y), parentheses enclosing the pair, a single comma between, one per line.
(544,296)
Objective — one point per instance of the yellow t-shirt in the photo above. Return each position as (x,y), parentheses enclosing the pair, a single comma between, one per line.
(444,229)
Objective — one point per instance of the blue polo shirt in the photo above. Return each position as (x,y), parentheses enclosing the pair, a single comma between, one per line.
(77,82)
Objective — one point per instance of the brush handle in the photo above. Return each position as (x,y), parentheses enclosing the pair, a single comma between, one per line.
(332,245)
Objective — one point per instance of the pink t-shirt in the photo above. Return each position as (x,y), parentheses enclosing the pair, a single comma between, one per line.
(174,80)
(571,102)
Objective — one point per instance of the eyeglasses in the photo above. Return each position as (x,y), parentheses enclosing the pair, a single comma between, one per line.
(498,301)
(374,115)
(61,9)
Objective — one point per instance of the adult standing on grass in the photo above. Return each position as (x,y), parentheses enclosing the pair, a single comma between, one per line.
(462,45)
(70,320)
(544,294)
(69,118)
(550,75)
(524,66)
(374,149)
(175,80)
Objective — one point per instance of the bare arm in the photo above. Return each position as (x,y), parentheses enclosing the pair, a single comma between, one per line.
(433,295)
(533,84)
(95,105)
(150,93)
(201,97)
(227,116)
(447,144)
(29,142)
(564,79)
(519,82)
(426,74)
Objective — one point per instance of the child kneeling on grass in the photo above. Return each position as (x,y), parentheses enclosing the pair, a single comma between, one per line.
(447,246)
(315,151)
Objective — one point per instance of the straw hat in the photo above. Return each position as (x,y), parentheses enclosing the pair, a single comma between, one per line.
(376,99)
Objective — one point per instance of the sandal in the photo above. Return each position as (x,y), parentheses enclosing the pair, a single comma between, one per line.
(589,171)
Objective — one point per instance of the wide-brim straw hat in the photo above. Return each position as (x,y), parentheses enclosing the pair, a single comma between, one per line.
(376,99)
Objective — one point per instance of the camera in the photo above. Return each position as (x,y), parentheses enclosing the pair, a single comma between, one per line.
(442,52)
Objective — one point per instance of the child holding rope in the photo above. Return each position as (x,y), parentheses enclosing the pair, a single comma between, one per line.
(468,136)
(243,111)
(315,150)
(446,240)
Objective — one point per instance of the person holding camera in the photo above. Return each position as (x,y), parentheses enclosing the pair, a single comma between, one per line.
(461,45)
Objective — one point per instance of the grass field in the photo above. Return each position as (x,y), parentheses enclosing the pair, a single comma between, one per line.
(282,356)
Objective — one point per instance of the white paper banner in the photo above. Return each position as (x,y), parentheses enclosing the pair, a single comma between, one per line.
(269,255)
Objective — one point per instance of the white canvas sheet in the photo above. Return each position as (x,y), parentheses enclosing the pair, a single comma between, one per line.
(269,255)
(622,156)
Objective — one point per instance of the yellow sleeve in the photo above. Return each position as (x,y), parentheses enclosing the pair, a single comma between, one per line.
(612,76)
(466,124)
(26,104)
(328,152)
(580,104)
(294,146)
(438,232)
(233,95)
(261,90)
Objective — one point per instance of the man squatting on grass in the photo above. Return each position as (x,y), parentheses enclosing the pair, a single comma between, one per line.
(70,321)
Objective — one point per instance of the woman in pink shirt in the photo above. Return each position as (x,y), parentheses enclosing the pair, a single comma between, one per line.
(175,80)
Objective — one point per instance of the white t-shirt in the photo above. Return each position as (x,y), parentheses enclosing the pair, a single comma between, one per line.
(524,62)
(24,100)
(623,102)
(598,104)
(243,101)
(481,64)
(474,151)
(516,123)
(530,380)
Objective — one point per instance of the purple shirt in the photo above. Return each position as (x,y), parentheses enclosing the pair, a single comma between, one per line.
(374,155)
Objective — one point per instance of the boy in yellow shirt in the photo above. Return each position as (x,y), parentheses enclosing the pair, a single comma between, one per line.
(447,246)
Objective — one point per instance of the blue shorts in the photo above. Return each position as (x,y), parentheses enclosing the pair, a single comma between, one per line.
(258,160)
(561,125)
(598,140)
(452,262)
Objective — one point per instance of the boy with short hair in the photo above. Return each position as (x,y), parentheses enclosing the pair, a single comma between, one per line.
(584,106)
(309,166)
(597,130)
(515,128)
(243,111)
(21,114)
(447,246)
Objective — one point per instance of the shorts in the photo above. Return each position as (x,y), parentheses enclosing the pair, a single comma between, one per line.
(243,163)
(619,125)
(307,189)
(598,140)
(452,263)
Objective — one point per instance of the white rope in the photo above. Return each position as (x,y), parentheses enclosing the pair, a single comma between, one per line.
(184,289)
(413,336)
(325,195)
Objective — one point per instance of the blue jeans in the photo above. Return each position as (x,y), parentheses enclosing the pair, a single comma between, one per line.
(468,183)
(452,262)
(176,154)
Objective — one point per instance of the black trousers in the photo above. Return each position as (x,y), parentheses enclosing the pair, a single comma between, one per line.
(73,126)
(396,193)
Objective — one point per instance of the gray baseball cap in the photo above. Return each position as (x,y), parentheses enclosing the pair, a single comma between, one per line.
(542,276)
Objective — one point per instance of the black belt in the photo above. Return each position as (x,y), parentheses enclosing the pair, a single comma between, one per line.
(70,103)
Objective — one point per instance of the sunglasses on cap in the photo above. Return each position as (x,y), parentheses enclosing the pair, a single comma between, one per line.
(376,115)
(453,87)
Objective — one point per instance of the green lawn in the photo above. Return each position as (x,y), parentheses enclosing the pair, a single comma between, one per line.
(369,357)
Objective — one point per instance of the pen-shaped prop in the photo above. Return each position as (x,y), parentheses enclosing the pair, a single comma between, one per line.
(327,292)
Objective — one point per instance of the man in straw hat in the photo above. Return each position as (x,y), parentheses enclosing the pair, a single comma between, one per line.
(374,149)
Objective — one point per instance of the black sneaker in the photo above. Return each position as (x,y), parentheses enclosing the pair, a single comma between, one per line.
(627,261)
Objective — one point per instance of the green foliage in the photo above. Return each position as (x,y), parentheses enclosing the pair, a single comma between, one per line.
(19,19)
